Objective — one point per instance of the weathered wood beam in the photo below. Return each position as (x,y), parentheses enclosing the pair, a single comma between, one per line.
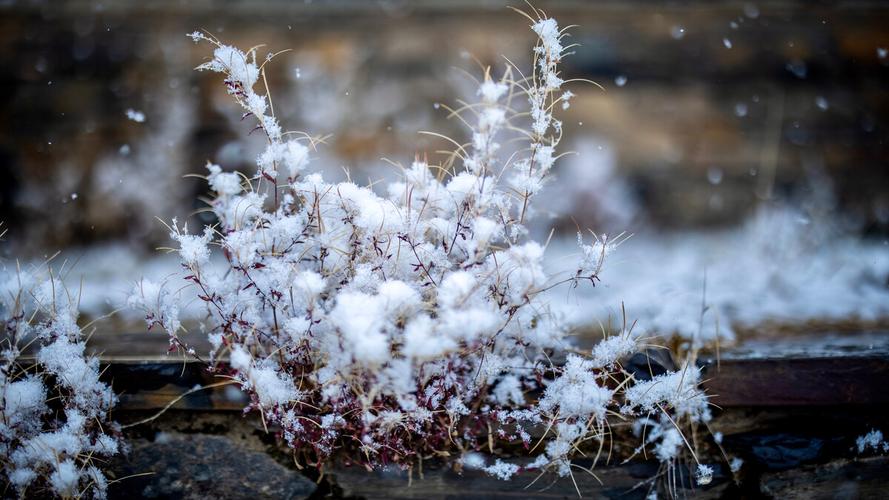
(775,376)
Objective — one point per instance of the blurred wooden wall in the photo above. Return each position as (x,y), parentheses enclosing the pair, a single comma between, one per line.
(710,107)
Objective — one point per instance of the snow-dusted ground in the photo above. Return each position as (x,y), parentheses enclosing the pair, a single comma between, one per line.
(778,267)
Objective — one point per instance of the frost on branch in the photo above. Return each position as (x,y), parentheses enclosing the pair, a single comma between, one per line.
(403,323)
(55,430)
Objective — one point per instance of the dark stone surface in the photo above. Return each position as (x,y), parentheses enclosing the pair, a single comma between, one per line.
(784,451)
(199,466)
(650,363)
(841,479)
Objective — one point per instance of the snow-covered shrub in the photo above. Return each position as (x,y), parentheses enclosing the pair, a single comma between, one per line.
(409,322)
(55,430)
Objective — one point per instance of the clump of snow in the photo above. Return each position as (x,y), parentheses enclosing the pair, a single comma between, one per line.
(158,304)
(576,392)
(502,470)
(704,475)
(660,405)
(676,390)
(473,460)
(873,440)
(271,387)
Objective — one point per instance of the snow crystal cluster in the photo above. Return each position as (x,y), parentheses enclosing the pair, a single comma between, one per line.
(411,321)
(873,441)
(55,428)
(649,400)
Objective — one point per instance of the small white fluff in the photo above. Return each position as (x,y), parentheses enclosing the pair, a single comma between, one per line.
(223,183)
(873,440)
(735,464)
(192,248)
(609,351)
(704,475)
(272,388)
(550,37)
(65,478)
(492,91)
(576,392)
(677,390)
(473,460)
(136,116)
(25,401)
(502,470)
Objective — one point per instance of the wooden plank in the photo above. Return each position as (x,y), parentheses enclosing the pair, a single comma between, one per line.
(138,347)
(804,381)
(798,370)
(153,385)
(735,383)
(626,482)
(823,369)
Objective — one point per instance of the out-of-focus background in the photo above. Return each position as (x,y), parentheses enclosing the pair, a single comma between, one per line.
(743,144)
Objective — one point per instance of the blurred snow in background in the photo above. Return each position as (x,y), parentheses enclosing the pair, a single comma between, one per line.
(766,183)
